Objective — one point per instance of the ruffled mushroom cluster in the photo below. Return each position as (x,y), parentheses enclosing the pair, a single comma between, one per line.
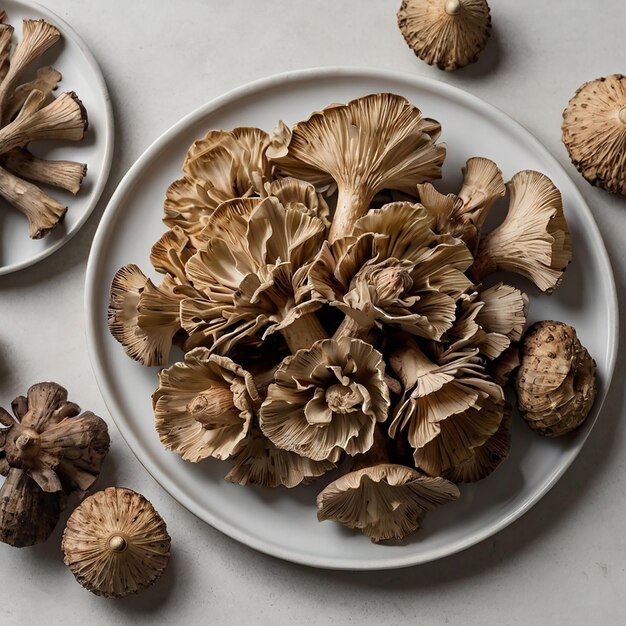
(326,329)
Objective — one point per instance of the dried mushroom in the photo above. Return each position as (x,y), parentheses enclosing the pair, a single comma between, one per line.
(327,400)
(382,499)
(594,132)
(48,450)
(29,113)
(446,33)
(330,303)
(533,240)
(372,143)
(115,543)
(556,381)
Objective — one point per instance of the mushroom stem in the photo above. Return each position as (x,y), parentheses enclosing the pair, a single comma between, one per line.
(352,203)
(378,454)
(64,174)
(622,116)
(483,266)
(453,7)
(212,406)
(117,543)
(304,332)
(27,443)
(42,211)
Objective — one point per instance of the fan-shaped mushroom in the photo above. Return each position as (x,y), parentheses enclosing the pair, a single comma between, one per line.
(556,382)
(533,240)
(115,543)
(326,400)
(372,143)
(447,33)
(594,132)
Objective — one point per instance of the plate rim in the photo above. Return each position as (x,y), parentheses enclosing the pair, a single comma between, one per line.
(92,314)
(108,134)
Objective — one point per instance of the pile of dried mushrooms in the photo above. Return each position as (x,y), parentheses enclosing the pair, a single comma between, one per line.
(330,305)
(29,112)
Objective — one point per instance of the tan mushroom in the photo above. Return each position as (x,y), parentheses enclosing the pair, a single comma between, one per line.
(298,194)
(259,462)
(594,132)
(144,317)
(446,33)
(556,381)
(447,408)
(46,451)
(204,406)
(372,143)
(326,400)
(115,543)
(382,499)
(533,240)
(486,458)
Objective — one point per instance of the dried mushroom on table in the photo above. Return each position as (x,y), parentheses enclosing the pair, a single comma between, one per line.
(29,112)
(330,304)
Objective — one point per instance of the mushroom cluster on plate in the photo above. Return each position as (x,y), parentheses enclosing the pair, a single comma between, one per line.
(330,306)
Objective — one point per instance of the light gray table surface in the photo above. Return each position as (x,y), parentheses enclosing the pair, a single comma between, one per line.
(564,562)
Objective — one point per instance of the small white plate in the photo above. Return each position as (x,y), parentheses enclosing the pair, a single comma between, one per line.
(82,75)
(283,522)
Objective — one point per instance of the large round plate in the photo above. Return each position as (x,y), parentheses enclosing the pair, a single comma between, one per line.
(82,75)
(283,522)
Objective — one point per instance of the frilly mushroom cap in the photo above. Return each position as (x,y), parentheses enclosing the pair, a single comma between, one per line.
(115,543)
(259,462)
(258,285)
(442,210)
(144,318)
(446,33)
(204,406)
(486,458)
(534,239)
(55,446)
(446,409)
(384,501)
(556,381)
(298,194)
(326,400)
(380,141)
(594,132)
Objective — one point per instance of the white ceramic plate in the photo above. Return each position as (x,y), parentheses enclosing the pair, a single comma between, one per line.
(283,522)
(82,75)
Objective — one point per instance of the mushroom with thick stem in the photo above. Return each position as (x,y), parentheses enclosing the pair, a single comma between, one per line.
(382,499)
(380,141)
(446,33)
(594,132)
(115,543)
(533,240)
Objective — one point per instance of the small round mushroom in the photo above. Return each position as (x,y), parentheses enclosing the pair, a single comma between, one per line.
(115,543)
(382,499)
(556,381)
(594,132)
(446,33)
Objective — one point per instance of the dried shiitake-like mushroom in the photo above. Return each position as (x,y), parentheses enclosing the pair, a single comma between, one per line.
(446,33)
(556,381)
(46,451)
(115,543)
(29,113)
(594,132)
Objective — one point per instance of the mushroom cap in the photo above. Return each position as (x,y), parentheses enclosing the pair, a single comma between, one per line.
(259,462)
(594,132)
(326,400)
(446,409)
(533,240)
(556,381)
(384,501)
(487,458)
(298,194)
(204,406)
(381,140)
(446,33)
(115,543)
